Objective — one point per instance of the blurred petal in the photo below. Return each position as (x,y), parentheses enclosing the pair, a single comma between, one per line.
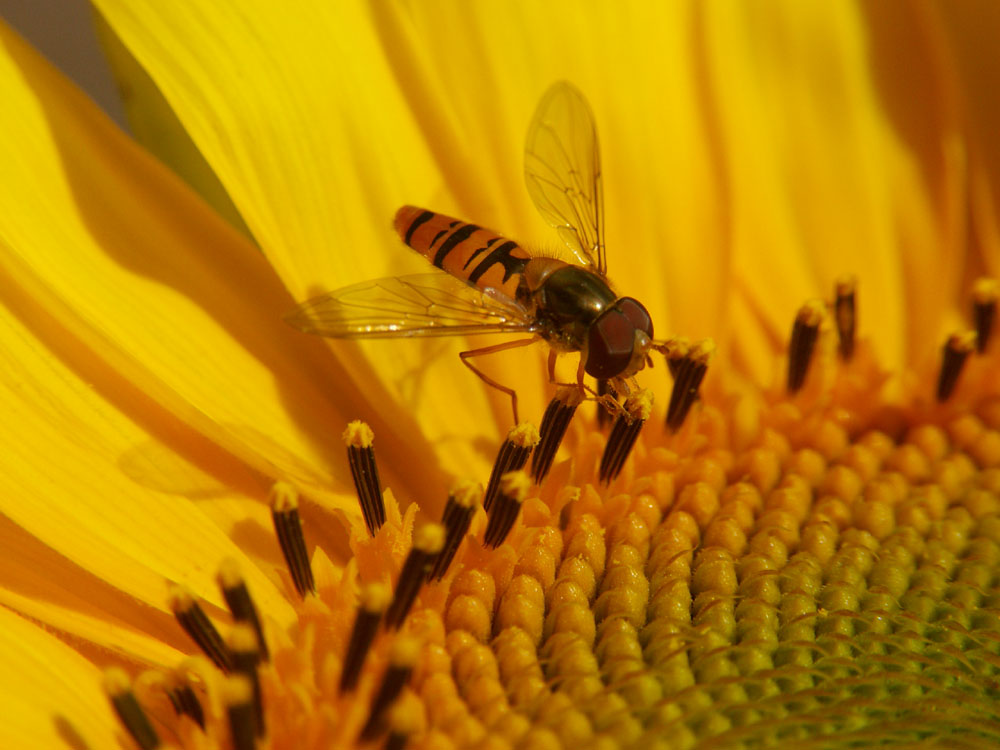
(805,153)
(967,35)
(51,694)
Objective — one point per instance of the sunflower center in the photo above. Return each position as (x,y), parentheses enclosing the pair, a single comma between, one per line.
(810,564)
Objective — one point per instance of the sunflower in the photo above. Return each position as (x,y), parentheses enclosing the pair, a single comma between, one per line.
(810,559)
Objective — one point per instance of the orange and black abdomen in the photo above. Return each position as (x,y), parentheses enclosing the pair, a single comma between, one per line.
(477,256)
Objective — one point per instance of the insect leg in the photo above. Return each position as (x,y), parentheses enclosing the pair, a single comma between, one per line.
(607,400)
(465,356)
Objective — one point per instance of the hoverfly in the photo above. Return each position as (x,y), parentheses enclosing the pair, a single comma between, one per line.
(492,285)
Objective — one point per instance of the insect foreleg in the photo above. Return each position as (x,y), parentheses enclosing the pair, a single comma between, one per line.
(467,355)
(607,400)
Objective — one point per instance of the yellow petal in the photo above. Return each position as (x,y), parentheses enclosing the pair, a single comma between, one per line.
(51,694)
(43,584)
(129,263)
(76,468)
(326,97)
(300,117)
(153,124)
(61,475)
(102,631)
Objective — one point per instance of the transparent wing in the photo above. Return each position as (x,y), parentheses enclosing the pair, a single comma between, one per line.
(427,304)
(562,168)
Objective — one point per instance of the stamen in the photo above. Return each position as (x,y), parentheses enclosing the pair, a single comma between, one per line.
(184,699)
(237,696)
(689,366)
(196,624)
(288,527)
(675,350)
(624,433)
(513,490)
(402,658)
(458,513)
(133,718)
(557,417)
(805,331)
(603,415)
(844,309)
(513,455)
(359,439)
(402,721)
(395,740)
(985,294)
(237,596)
(956,350)
(244,647)
(427,543)
(374,598)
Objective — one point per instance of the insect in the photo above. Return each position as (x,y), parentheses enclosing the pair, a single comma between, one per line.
(493,285)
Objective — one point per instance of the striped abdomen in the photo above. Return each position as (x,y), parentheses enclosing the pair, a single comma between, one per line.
(475,255)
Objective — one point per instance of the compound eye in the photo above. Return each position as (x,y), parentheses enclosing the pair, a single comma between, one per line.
(638,316)
(609,345)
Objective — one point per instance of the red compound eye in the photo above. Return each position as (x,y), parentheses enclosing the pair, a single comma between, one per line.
(637,314)
(609,344)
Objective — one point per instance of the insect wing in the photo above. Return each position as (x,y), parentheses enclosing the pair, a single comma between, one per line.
(429,304)
(562,169)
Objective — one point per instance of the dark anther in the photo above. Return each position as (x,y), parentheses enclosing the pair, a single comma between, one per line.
(513,455)
(374,598)
(458,513)
(237,596)
(956,350)
(805,331)
(196,624)
(403,723)
(624,433)
(243,646)
(183,699)
(557,417)
(845,312)
(403,657)
(427,543)
(603,414)
(288,527)
(572,495)
(676,351)
(237,695)
(396,741)
(984,310)
(513,490)
(361,456)
(134,719)
(688,364)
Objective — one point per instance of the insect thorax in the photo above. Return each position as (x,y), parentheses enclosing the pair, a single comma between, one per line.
(565,300)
